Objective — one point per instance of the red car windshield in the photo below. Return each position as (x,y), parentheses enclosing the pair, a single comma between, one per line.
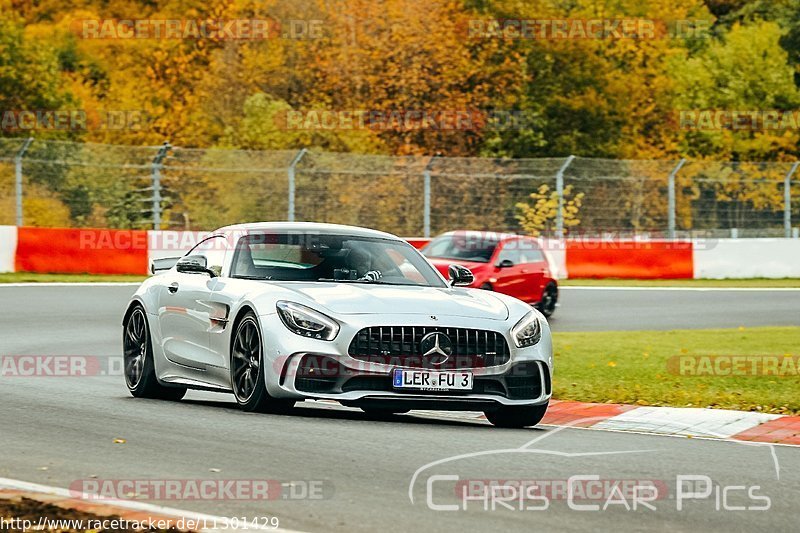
(461,247)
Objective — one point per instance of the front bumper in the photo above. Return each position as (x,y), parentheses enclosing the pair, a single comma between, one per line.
(311,369)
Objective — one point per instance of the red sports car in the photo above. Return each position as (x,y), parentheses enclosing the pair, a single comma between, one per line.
(511,264)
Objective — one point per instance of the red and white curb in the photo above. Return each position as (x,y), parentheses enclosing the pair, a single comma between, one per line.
(132,511)
(674,421)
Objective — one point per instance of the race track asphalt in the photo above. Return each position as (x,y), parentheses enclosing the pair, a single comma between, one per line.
(55,430)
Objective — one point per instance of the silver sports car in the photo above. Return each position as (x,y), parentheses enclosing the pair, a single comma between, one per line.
(281,312)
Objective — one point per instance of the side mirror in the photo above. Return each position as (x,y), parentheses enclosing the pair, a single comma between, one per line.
(505,263)
(195,264)
(160,265)
(460,276)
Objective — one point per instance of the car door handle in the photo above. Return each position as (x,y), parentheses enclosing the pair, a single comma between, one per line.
(173,287)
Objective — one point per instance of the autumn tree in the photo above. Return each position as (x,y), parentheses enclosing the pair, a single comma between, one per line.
(539,216)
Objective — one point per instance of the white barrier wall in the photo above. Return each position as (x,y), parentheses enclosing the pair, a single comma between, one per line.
(747,258)
(8,248)
(556,253)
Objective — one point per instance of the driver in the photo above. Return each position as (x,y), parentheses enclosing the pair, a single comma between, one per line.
(363,263)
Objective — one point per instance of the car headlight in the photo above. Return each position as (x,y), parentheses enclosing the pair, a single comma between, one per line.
(527,331)
(307,322)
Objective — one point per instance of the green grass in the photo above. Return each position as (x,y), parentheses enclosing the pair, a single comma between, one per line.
(725,283)
(632,368)
(26,277)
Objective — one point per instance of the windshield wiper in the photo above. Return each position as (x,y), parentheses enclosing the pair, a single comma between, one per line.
(255,278)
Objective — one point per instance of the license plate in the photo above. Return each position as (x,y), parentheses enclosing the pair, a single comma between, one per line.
(435,381)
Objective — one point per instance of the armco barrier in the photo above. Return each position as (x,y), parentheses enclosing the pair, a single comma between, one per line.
(8,248)
(92,251)
(629,259)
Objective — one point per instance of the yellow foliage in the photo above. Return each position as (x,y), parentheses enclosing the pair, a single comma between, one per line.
(43,211)
(539,217)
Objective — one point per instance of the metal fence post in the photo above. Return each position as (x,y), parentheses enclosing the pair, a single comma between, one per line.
(290,173)
(671,202)
(18,176)
(787,201)
(560,195)
(155,173)
(426,199)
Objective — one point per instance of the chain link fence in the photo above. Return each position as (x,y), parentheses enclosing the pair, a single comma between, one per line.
(66,184)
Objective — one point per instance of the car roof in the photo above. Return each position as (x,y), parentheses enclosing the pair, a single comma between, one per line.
(312,227)
(487,235)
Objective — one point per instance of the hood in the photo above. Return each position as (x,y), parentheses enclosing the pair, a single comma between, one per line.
(358,298)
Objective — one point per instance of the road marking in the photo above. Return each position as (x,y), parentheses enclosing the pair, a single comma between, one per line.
(25,486)
(697,289)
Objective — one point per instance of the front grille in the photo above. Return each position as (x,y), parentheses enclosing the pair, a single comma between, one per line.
(400,346)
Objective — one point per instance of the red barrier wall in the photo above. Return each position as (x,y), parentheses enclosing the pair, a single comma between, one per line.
(93,251)
(630,259)
(100,251)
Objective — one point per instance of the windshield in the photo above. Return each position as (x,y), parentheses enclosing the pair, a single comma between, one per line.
(461,247)
(325,258)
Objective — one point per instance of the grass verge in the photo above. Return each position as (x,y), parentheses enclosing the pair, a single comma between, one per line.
(635,367)
(29,277)
(758,283)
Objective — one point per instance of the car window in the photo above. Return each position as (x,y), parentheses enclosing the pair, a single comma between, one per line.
(511,253)
(532,256)
(461,247)
(329,257)
(530,251)
(282,254)
(213,249)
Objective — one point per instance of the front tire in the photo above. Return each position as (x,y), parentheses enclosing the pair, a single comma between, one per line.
(247,370)
(140,372)
(517,416)
(547,306)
